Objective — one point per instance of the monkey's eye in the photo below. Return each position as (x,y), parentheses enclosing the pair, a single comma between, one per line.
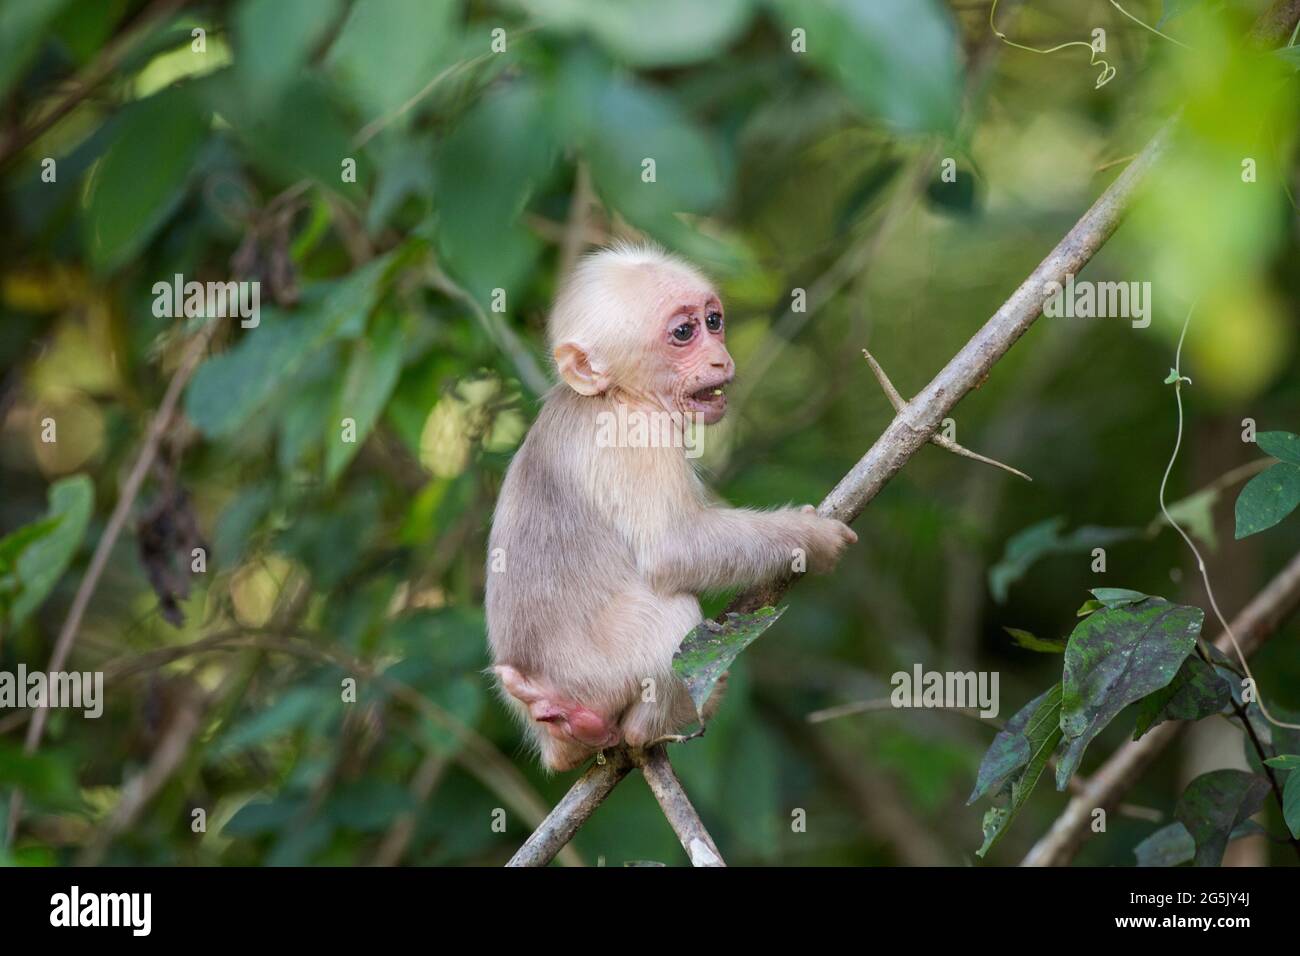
(684,332)
(713,321)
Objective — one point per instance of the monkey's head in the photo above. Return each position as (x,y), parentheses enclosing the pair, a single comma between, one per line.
(647,326)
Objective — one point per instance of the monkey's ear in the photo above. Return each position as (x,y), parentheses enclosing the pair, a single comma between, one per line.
(576,370)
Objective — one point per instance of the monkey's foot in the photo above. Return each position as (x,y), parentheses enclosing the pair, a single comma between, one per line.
(564,719)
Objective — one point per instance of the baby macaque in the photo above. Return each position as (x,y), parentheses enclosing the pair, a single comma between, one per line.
(604,536)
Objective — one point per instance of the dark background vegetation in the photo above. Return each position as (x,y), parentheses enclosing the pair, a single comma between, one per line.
(479,171)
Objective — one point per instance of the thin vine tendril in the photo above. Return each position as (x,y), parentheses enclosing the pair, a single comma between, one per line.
(1094,59)
(1200,562)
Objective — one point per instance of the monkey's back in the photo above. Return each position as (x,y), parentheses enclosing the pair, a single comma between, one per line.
(560,562)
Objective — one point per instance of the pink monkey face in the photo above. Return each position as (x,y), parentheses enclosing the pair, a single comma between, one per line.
(694,362)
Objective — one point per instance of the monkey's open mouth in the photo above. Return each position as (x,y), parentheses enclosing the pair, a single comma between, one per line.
(710,402)
(710,395)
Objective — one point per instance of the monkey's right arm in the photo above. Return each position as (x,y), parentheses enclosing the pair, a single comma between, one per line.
(715,549)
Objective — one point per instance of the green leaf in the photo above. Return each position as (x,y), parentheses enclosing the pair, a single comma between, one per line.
(370,379)
(463,699)
(142,178)
(1031,642)
(22,27)
(619,124)
(229,388)
(1196,691)
(1171,845)
(308,414)
(1042,735)
(1275,740)
(1195,513)
(1088,606)
(485,173)
(1010,750)
(709,649)
(331,541)
(388,50)
(868,187)
(1169,9)
(1118,597)
(34,557)
(238,521)
(368,806)
(1291,802)
(300,133)
(897,59)
(650,33)
(294,709)
(273,39)
(1215,804)
(1115,657)
(1040,540)
(298,845)
(956,197)
(47,777)
(1284,762)
(258,817)
(1267,499)
(1281,445)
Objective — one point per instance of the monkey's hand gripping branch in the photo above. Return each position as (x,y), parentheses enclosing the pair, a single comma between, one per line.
(942,441)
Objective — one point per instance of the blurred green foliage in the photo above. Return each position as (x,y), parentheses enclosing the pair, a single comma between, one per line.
(405,178)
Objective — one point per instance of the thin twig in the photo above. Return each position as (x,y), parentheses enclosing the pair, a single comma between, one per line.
(942,441)
(677,808)
(398,837)
(505,337)
(1260,752)
(166,760)
(116,521)
(882,704)
(884,812)
(575,231)
(88,79)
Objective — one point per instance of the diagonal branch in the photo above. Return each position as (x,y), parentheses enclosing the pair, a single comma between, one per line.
(573,810)
(915,425)
(911,429)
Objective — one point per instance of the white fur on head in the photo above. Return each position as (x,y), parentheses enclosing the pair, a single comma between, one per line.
(608,305)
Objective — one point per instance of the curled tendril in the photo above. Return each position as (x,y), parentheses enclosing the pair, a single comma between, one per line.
(1094,59)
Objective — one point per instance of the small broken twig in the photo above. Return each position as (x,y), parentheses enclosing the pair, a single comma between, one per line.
(942,441)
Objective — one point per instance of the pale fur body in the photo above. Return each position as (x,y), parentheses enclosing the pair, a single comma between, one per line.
(603,551)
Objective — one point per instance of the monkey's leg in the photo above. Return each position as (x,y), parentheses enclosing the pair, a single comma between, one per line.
(566,720)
